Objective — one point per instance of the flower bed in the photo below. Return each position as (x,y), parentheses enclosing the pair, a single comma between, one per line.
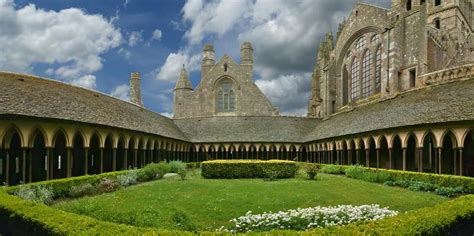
(308,218)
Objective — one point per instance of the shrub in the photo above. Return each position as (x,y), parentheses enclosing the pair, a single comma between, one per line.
(176,166)
(311,170)
(82,190)
(183,221)
(153,171)
(362,173)
(39,194)
(449,191)
(128,179)
(228,169)
(333,169)
(108,185)
(182,174)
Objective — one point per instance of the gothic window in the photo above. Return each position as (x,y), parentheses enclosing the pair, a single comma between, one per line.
(408,5)
(378,68)
(360,44)
(366,63)
(225,97)
(437,23)
(375,39)
(437,2)
(355,79)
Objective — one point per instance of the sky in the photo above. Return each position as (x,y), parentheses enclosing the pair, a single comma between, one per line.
(97,44)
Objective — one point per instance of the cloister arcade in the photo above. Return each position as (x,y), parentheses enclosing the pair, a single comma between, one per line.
(31,152)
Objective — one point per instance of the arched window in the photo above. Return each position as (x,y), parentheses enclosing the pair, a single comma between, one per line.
(437,23)
(225,97)
(437,2)
(366,63)
(378,68)
(355,79)
(408,5)
(361,42)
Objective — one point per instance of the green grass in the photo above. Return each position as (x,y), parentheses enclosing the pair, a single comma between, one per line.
(204,204)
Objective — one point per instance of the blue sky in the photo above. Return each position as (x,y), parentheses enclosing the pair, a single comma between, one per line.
(97,44)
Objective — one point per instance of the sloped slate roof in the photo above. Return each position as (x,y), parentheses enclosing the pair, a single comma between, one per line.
(245,129)
(434,104)
(37,97)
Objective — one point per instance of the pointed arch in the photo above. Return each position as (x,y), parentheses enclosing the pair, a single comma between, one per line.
(37,161)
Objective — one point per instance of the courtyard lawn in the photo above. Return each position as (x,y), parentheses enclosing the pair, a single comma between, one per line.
(204,204)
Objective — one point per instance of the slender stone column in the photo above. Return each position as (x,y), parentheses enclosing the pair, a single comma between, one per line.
(455,161)
(125,159)
(390,165)
(460,162)
(114,159)
(86,163)
(135,161)
(367,159)
(404,159)
(440,169)
(7,167)
(420,160)
(50,164)
(337,156)
(69,162)
(101,160)
(30,165)
(357,157)
(23,165)
(378,158)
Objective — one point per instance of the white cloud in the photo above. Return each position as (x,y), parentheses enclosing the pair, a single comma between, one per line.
(135,38)
(157,34)
(125,53)
(288,92)
(122,92)
(70,41)
(86,81)
(168,114)
(173,64)
(217,17)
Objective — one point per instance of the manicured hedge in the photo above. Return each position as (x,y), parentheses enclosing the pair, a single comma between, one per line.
(443,180)
(455,217)
(232,169)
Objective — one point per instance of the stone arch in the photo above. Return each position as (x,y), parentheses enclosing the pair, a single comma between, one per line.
(428,159)
(95,154)
(384,159)
(411,153)
(372,160)
(38,160)
(59,164)
(120,155)
(397,153)
(10,131)
(448,161)
(353,152)
(108,152)
(467,155)
(14,161)
(37,129)
(79,157)
(363,154)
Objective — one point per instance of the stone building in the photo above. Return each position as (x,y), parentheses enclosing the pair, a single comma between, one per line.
(226,88)
(357,66)
(411,108)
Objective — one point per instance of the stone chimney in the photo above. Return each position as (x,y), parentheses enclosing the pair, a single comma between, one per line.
(208,59)
(246,59)
(135,89)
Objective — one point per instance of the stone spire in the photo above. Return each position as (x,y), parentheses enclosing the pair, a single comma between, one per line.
(183,81)
(135,89)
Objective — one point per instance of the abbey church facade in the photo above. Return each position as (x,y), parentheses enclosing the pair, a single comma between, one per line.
(392,88)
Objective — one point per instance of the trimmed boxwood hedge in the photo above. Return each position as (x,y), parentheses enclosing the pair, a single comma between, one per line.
(233,169)
(443,180)
(21,217)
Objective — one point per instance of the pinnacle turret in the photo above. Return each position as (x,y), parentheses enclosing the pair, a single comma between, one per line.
(183,81)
